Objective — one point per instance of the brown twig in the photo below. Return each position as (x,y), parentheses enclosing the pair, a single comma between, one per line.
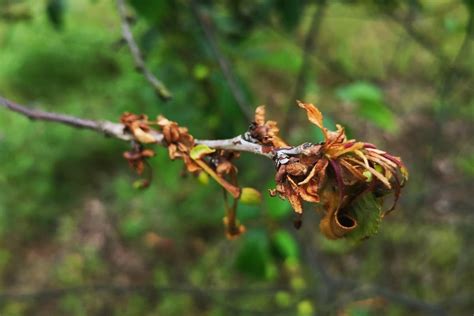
(224,63)
(127,34)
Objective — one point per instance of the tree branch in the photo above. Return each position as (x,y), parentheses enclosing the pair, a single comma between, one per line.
(108,128)
(407,24)
(310,44)
(116,130)
(127,34)
(223,62)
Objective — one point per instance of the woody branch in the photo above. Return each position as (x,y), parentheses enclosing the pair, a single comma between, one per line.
(116,130)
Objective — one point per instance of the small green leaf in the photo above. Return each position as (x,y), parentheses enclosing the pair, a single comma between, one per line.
(360,91)
(368,213)
(199,151)
(250,196)
(285,244)
(370,103)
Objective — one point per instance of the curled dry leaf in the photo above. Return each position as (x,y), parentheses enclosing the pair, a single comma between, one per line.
(265,132)
(179,142)
(136,158)
(137,125)
(336,173)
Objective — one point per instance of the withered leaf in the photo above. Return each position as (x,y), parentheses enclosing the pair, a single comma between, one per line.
(142,136)
(314,115)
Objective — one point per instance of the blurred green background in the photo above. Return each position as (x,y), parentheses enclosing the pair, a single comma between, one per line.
(77,239)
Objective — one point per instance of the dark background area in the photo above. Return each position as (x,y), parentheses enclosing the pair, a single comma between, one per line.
(77,239)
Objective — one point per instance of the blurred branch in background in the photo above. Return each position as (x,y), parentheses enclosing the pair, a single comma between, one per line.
(309,46)
(454,69)
(14,12)
(357,292)
(406,22)
(140,64)
(206,24)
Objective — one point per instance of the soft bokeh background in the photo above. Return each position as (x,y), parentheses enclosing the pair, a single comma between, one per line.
(77,239)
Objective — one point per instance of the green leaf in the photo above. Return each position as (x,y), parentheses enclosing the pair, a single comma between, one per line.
(253,258)
(360,91)
(370,103)
(285,244)
(199,151)
(368,213)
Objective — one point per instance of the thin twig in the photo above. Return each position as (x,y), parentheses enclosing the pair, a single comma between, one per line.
(224,63)
(310,44)
(449,77)
(110,129)
(127,34)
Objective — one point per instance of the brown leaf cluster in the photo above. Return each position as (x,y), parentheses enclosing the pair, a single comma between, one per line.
(265,132)
(179,142)
(136,158)
(221,162)
(181,145)
(334,173)
(138,126)
(176,138)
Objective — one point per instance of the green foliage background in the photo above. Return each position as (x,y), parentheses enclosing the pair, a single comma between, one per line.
(398,74)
